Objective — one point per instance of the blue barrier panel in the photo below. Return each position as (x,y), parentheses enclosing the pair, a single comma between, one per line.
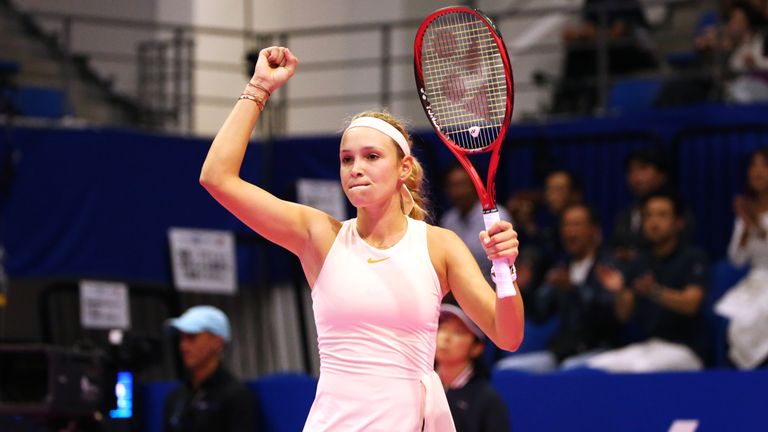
(99,202)
(284,400)
(592,401)
(580,401)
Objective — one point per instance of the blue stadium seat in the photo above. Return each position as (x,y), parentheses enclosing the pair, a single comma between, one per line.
(537,336)
(152,400)
(633,95)
(284,400)
(39,102)
(8,68)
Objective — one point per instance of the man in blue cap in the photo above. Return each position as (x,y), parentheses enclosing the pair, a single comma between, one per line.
(211,397)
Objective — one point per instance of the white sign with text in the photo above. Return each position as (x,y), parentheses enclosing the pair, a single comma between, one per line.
(203,260)
(325,195)
(104,305)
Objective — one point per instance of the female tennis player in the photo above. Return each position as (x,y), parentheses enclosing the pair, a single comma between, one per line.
(377,280)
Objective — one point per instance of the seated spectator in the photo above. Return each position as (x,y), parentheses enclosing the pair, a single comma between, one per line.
(573,293)
(211,398)
(561,189)
(742,41)
(647,173)
(523,207)
(746,303)
(465,217)
(629,50)
(475,405)
(537,219)
(660,297)
(698,84)
(749,60)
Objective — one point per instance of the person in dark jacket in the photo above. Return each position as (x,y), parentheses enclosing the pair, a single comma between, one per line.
(211,398)
(475,404)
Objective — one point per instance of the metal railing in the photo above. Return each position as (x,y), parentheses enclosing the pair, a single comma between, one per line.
(165,63)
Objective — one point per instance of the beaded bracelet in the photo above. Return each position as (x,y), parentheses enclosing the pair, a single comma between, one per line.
(259,101)
(259,87)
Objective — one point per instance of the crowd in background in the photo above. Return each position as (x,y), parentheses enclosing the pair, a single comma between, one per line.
(633,300)
(728,61)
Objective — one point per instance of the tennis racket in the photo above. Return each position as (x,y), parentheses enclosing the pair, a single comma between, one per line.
(465,85)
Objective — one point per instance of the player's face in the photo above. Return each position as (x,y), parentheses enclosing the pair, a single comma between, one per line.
(455,343)
(369,167)
(757,174)
(199,349)
(659,220)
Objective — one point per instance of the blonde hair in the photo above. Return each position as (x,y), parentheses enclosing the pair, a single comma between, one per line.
(415,182)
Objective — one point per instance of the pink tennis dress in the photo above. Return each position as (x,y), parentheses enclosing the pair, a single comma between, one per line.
(376,312)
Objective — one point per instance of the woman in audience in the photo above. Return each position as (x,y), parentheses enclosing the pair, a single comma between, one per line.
(748,62)
(746,304)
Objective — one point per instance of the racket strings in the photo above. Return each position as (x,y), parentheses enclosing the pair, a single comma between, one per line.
(465,79)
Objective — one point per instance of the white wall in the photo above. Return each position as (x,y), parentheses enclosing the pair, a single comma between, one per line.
(286,15)
(220,75)
(324,118)
(100,38)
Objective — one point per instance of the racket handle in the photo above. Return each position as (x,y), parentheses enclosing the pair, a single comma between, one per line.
(505,286)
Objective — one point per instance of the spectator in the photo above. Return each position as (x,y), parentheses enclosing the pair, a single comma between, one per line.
(647,173)
(523,207)
(537,218)
(623,25)
(698,84)
(475,405)
(749,60)
(465,217)
(561,189)
(746,303)
(574,294)
(211,398)
(660,296)
(742,40)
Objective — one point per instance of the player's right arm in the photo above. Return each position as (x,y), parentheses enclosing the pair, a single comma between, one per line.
(282,222)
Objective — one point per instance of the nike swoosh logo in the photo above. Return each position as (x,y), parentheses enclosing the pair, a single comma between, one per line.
(373,261)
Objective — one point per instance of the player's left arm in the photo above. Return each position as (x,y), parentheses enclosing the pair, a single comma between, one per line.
(500,319)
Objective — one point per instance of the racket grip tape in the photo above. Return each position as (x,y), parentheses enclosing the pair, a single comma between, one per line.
(505,286)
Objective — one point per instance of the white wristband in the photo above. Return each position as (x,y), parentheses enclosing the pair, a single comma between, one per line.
(511,269)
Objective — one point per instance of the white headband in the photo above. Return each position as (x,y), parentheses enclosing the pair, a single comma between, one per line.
(383,127)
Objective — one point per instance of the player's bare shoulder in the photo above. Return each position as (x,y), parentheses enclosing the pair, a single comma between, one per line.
(441,240)
(323,228)
(437,234)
